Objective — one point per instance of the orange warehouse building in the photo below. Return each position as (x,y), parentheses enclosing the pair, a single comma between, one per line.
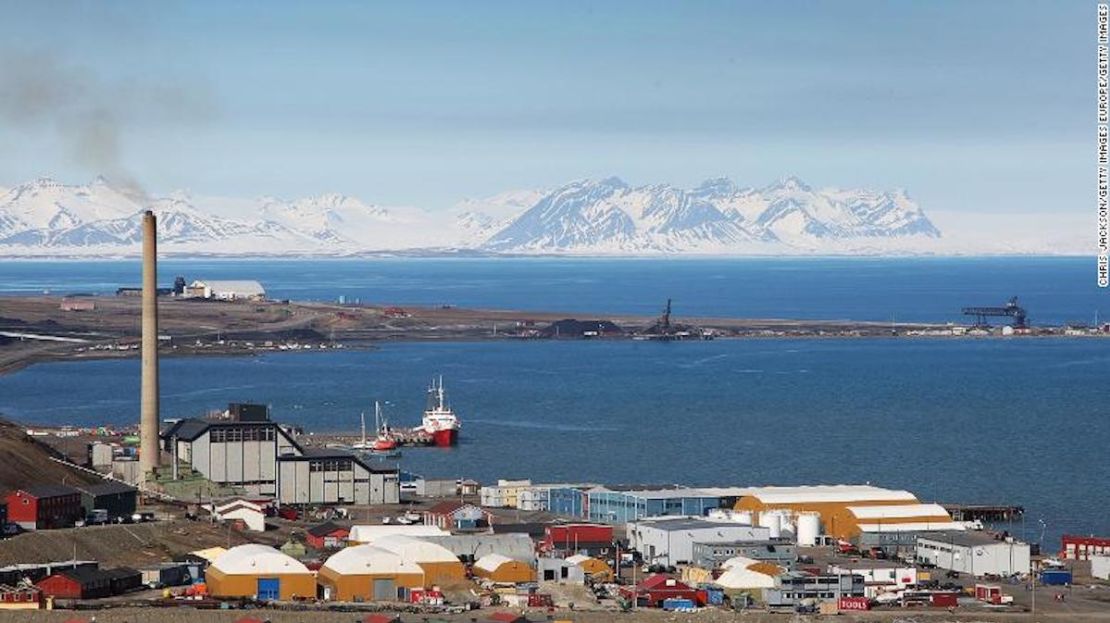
(499,568)
(367,573)
(828,501)
(259,572)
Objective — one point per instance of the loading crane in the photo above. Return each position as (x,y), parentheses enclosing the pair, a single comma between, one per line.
(1011,309)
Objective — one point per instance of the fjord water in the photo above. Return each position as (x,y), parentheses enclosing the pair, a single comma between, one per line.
(1021,420)
(1054,290)
(1018,421)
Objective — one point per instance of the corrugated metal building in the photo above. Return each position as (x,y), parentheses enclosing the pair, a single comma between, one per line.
(259,572)
(246,449)
(471,547)
(973,553)
(670,541)
(776,551)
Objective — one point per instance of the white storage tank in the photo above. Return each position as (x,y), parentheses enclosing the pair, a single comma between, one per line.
(773,522)
(809,526)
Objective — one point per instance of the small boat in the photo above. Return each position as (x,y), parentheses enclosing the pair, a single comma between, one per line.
(384,441)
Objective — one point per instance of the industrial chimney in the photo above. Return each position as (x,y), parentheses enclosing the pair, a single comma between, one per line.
(149,453)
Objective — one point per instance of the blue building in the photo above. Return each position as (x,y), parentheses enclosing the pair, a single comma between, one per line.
(569,501)
(623,504)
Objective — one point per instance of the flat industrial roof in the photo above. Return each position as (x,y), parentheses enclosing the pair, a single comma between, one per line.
(688,523)
(966,538)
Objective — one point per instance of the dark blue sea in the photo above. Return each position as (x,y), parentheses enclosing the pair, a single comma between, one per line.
(1054,290)
(1019,421)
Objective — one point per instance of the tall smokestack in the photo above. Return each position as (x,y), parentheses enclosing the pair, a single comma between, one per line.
(149,454)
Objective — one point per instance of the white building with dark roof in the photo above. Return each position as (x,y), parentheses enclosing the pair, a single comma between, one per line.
(226,290)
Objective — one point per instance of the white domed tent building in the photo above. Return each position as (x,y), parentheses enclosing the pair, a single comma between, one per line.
(367,573)
(593,567)
(745,574)
(500,568)
(439,564)
(259,572)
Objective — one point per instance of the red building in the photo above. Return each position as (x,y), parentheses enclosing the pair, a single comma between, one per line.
(44,507)
(327,536)
(573,538)
(654,590)
(76,584)
(1083,547)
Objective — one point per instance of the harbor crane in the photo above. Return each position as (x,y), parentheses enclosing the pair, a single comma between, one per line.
(1011,309)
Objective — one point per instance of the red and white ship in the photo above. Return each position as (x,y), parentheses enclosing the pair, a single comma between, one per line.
(439,420)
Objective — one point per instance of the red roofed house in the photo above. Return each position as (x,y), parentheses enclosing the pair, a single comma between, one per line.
(659,587)
(454,515)
(327,536)
(43,507)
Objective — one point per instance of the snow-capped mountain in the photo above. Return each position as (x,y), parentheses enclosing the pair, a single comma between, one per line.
(45,218)
(609,216)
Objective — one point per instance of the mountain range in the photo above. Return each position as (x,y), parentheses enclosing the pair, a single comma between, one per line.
(45,218)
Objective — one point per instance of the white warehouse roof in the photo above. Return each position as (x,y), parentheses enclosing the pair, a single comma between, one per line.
(900,511)
(490,562)
(254,559)
(369,560)
(577,559)
(916,526)
(416,550)
(828,493)
(368,534)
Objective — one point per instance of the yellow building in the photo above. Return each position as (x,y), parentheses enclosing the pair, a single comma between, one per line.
(593,567)
(259,572)
(367,573)
(439,564)
(500,568)
(829,501)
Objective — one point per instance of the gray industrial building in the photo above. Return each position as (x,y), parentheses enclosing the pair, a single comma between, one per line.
(246,449)
(471,547)
(670,540)
(792,589)
(776,551)
(973,553)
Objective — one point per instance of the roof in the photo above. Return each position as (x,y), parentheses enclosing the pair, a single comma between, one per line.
(691,523)
(84,575)
(370,560)
(49,491)
(660,581)
(254,559)
(450,506)
(108,487)
(210,554)
(578,559)
(965,538)
(899,511)
(491,562)
(827,493)
(416,550)
(326,528)
(189,429)
(530,528)
(370,534)
(911,526)
(244,286)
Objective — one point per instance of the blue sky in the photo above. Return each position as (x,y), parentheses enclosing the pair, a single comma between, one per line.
(972,106)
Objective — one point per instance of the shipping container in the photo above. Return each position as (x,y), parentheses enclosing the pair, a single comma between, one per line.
(676,603)
(854,603)
(1056,577)
(944,600)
